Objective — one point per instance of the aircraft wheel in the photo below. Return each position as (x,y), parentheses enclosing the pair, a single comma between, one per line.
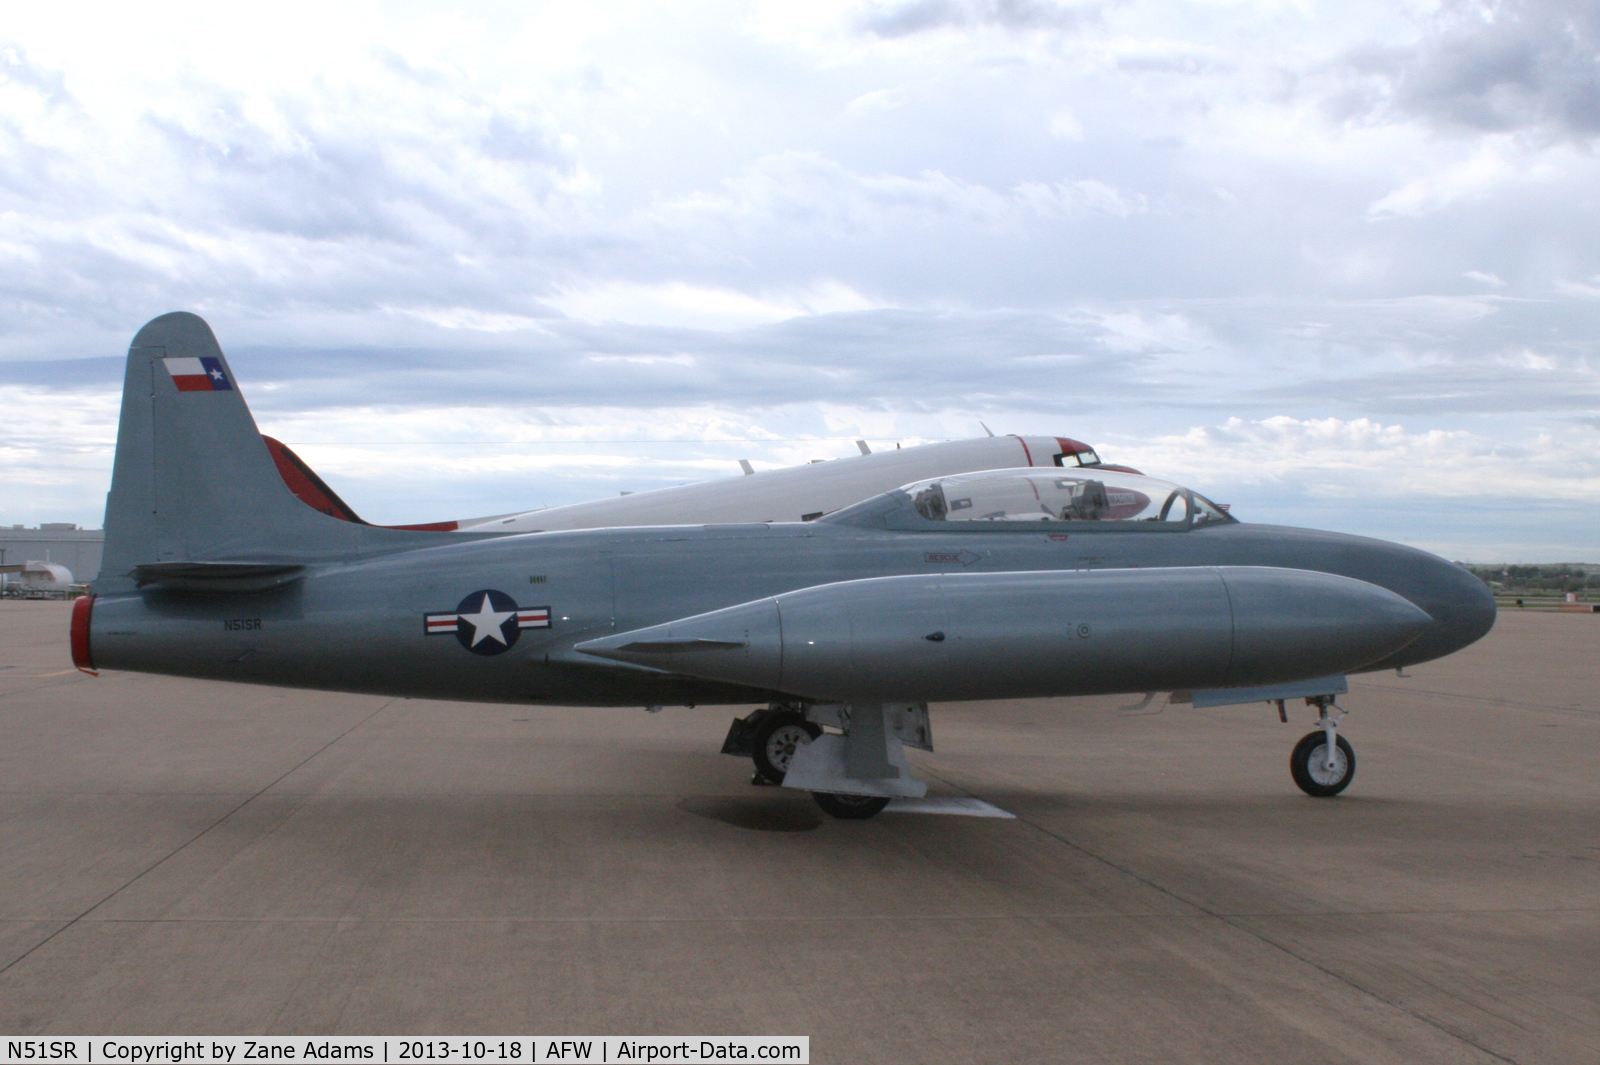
(1309,765)
(850,807)
(778,736)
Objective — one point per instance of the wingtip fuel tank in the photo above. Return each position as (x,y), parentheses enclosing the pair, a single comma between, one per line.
(1013,635)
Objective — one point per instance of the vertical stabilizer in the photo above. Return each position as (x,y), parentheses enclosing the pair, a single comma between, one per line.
(193,480)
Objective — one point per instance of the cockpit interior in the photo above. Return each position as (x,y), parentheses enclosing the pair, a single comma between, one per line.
(1102,496)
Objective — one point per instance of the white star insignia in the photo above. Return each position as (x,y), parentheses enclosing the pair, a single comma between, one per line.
(486,623)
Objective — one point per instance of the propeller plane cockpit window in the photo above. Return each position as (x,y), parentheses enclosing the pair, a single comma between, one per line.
(1083,456)
(1026,495)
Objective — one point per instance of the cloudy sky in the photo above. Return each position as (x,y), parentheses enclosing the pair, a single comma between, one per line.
(1337,264)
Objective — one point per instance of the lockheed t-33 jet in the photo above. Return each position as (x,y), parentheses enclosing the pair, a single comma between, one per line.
(1024,583)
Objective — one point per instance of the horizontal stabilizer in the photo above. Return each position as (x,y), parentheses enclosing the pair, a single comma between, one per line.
(216,576)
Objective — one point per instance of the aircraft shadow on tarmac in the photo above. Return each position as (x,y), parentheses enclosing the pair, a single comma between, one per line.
(778,813)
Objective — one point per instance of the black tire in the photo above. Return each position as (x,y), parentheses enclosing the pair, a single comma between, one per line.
(850,807)
(775,741)
(1308,765)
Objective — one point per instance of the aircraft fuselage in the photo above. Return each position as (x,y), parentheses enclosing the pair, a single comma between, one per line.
(365,626)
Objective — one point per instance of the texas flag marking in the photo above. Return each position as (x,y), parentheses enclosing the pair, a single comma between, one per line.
(198,375)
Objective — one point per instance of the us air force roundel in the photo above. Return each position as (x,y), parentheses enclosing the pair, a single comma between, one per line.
(487,622)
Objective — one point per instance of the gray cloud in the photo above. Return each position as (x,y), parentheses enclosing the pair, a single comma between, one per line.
(1493,67)
(1429,358)
(1430,393)
(918,16)
(63,374)
(883,359)
(18,69)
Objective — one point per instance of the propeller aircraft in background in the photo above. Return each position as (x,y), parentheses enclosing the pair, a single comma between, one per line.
(793,493)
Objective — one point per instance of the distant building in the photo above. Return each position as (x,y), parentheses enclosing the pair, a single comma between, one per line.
(77,549)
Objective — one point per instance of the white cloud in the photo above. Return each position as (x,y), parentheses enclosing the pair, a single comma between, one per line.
(1493,163)
(1065,125)
(1364,459)
(702,307)
(1080,197)
(1589,290)
(470,318)
(876,100)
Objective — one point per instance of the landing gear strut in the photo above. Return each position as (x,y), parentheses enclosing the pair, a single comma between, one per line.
(1323,762)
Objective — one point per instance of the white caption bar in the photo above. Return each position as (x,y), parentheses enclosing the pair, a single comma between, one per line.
(395,1050)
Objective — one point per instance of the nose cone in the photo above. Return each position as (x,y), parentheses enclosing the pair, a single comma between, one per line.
(1461,605)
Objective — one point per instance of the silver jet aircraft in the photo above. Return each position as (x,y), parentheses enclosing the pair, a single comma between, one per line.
(792,493)
(1000,584)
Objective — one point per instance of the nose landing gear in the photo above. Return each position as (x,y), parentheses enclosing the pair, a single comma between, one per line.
(1323,762)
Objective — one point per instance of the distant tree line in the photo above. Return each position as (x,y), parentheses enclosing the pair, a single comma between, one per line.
(1550,580)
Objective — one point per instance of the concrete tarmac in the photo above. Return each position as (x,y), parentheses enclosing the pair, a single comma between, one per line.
(187,857)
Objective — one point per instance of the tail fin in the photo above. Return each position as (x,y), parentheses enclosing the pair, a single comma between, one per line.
(193,480)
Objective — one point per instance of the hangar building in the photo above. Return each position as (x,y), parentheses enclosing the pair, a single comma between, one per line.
(77,549)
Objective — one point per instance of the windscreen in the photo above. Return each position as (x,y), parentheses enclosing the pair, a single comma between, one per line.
(1102,496)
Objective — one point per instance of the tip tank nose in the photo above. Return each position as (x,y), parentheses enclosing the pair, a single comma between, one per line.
(1299,622)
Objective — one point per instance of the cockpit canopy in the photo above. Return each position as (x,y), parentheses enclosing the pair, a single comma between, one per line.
(1034,494)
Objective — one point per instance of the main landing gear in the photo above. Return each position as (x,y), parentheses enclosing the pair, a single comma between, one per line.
(771,737)
(775,739)
(1323,762)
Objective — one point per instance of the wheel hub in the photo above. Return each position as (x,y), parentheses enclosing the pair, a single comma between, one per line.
(1317,765)
(783,743)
